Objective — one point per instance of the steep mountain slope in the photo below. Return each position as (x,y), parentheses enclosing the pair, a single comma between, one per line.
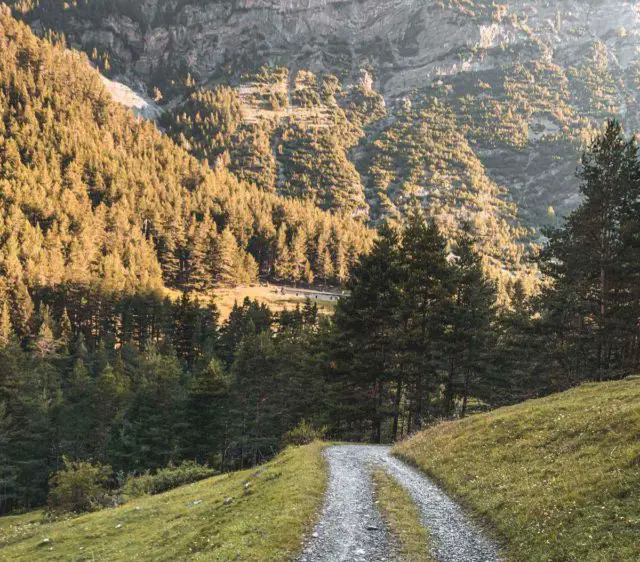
(527,80)
(90,194)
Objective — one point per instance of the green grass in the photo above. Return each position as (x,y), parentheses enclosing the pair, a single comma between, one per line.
(272,507)
(403,519)
(557,478)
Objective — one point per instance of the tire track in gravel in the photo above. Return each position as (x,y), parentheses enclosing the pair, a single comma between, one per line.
(351,529)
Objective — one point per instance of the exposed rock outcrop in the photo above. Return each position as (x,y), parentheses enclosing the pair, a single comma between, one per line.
(580,61)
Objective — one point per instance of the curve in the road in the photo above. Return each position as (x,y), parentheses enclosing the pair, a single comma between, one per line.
(351,529)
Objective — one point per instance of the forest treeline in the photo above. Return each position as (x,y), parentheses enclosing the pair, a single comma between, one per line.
(342,149)
(320,142)
(136,382)
(99,213)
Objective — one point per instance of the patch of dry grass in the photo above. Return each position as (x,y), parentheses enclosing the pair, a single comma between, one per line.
(269,295)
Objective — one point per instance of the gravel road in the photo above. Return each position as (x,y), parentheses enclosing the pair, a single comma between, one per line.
(351,529)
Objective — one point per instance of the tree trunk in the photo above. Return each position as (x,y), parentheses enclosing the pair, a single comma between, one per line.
(465,397)
(396,409)
(377,421)
(417,415)
(448,393)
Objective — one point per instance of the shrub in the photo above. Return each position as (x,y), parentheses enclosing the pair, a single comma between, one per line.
(166,479)
(79,486)
(303,434)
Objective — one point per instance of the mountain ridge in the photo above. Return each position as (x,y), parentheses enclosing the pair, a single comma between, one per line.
(320,84)
(467,48)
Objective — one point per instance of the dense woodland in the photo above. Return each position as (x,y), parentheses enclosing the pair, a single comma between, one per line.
(100,213)
(93,195)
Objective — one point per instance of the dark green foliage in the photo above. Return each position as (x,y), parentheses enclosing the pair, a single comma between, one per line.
(469,340)
(590,310)
(165,479)
(138,383)
(79,486)
(205,413)
(416,330)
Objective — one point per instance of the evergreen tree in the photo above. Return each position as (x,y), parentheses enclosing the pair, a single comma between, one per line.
(368,321)
(253,421)
(428,288)
(282,267)
(6,331)
(591,266)
(299,265)
(228,264)
(471,322)
(205,411)
(108,395)
(77,417)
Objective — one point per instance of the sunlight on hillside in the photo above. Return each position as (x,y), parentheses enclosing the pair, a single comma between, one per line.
(558,478)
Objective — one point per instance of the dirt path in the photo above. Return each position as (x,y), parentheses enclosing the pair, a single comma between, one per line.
(351,529)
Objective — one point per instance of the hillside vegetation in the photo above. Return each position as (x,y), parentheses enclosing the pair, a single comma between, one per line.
(556,478)
(91,195)
(526,84)
(271,506)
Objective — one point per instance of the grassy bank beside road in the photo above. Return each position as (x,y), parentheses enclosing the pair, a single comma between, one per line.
(556,478)
(257,514)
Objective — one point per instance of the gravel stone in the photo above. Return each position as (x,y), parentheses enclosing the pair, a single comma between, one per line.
(342,533)
(346,529)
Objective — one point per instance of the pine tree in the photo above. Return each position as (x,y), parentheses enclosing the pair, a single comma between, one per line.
(201,237)
(6,330)
(21,309)
(108,395)
(428,287)
(77,418)
(325,265)
(65,330)
(254,425)
(282,266)
(368,321)
(45,343)
(229,260)
(341,267)
(587,260)
(469,336)
(206,406)
(299,268)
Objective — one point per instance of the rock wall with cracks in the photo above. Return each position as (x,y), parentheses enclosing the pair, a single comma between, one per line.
(443,48)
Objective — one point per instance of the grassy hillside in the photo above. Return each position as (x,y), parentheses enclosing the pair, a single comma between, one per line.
(558,478)
(271,508)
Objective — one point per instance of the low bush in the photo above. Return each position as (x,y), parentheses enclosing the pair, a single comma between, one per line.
(303,434)
(165,479)
(79,486)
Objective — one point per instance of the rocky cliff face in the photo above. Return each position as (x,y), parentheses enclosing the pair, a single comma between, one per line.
(408,43)
(527,79)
